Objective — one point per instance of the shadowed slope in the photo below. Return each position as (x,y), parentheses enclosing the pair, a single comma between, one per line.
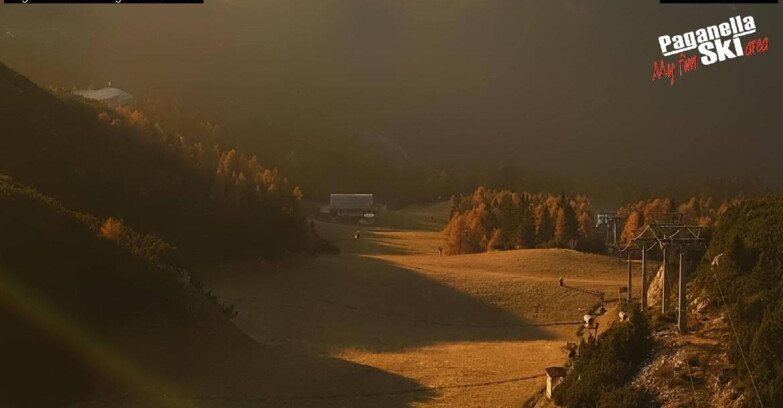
(351,301)
(94,325)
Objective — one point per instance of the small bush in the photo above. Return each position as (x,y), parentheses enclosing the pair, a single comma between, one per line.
(663,321)
(112,229)
(628,396)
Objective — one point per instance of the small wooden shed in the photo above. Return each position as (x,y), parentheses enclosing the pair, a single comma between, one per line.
(554,376)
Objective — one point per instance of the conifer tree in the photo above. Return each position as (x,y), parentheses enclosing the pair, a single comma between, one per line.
(632,224)
(528,228)
(566,227)
(544,226)
(455,234)
(454,203)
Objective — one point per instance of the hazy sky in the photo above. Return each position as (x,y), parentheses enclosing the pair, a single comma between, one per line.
(560,85)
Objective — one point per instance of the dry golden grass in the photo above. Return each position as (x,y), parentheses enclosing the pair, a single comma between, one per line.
(475,330)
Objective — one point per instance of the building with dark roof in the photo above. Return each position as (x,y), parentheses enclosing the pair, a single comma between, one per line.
(351,205)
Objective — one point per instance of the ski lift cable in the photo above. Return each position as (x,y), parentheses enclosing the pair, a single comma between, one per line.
(736,337)
(693,387)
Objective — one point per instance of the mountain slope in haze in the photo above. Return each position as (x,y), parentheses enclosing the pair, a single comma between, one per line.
(559,86)
(207,201)
(93,314)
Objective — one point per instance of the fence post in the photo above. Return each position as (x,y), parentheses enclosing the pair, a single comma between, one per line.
(665,284)
(682,313)
(630,275)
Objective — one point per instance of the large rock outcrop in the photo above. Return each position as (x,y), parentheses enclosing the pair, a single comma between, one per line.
(654,290)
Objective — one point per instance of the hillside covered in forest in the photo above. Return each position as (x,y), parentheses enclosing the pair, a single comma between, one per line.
(208,201)
(742,275)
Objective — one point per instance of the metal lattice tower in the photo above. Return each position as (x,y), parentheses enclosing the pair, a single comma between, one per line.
(667,232)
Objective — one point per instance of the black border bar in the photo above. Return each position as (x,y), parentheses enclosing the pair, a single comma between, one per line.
(719,1)
(103,1)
